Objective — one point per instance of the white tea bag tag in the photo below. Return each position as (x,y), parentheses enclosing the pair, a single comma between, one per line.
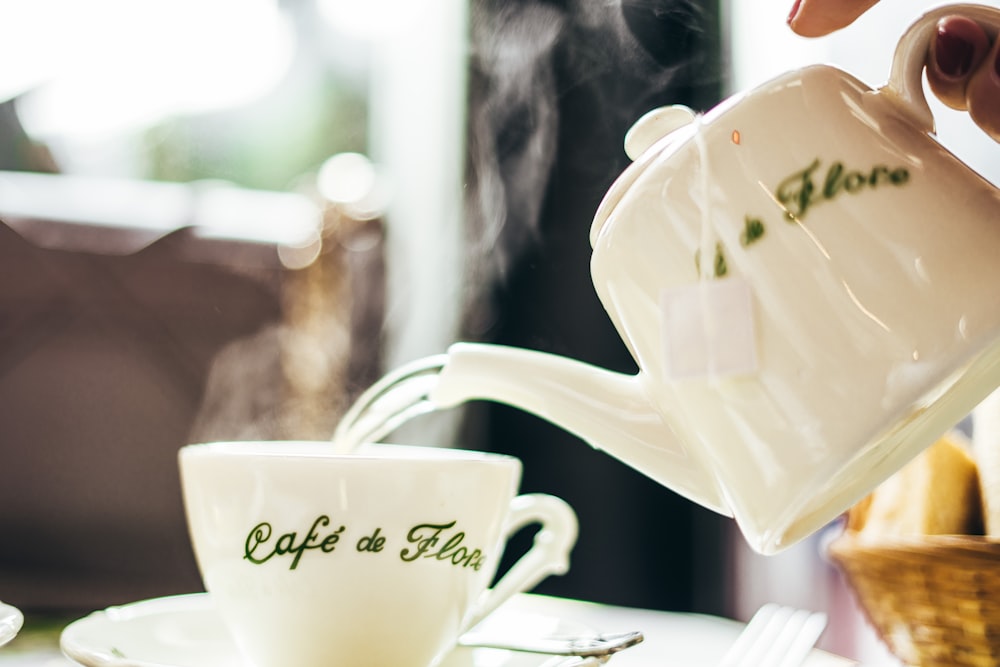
(708,330)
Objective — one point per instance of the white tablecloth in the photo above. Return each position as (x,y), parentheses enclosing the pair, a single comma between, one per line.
(670,639)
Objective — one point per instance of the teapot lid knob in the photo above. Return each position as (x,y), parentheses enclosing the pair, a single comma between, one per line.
(653,126)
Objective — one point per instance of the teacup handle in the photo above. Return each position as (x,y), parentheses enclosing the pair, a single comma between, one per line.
(549,553)
(905,78)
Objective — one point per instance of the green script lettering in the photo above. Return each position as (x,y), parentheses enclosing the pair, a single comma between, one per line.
(373,542)
(257,550)
(798,193)
(425,538)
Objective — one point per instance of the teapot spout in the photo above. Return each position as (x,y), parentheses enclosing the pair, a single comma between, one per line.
(608,410)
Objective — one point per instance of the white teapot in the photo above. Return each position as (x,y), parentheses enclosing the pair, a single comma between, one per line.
(847,315)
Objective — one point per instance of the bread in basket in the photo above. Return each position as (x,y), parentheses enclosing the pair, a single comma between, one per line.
(915,554)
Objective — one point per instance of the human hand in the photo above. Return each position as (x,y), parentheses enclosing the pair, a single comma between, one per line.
(815,18)
(963,62)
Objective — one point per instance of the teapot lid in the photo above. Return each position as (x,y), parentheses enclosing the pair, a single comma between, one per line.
(647,138)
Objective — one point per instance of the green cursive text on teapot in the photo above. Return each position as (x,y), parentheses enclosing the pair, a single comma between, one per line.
(801,191)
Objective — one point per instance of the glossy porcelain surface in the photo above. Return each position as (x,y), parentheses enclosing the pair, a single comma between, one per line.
(874,320)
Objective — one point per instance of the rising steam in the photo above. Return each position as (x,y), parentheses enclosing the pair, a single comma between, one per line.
(528,54)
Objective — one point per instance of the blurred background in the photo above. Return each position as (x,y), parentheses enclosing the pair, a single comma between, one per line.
(222,219)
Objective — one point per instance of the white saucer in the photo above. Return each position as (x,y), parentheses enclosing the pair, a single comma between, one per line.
(11,620)
(186,631)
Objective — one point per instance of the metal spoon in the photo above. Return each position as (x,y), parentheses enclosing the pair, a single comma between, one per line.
(584,645)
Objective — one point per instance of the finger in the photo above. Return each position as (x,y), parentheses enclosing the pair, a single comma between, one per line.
(982,94)
(958,48)
(815,18)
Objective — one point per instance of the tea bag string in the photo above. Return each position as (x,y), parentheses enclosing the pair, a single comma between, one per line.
(719,250)
(708,237)
(725,311)
(706,263)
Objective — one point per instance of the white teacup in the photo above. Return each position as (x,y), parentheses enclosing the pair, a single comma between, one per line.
(380,557)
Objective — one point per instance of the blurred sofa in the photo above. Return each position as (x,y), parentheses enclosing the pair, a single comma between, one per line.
(135,318)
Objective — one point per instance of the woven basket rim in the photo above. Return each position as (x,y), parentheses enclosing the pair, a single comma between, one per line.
(852,544)
(930,598)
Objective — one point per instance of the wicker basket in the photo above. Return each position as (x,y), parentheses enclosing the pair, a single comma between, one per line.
(934,600)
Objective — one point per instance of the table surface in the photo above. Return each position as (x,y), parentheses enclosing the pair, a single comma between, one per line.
(681,639)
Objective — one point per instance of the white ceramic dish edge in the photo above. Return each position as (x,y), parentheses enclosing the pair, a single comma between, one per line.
(11,620)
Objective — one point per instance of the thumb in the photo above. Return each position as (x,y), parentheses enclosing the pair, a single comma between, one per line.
(815,18)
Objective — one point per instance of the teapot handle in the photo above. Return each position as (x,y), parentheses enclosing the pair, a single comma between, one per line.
(905,78)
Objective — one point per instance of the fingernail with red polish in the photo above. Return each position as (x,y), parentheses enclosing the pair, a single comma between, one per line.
(959,45)
(794,12)
(952,52)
